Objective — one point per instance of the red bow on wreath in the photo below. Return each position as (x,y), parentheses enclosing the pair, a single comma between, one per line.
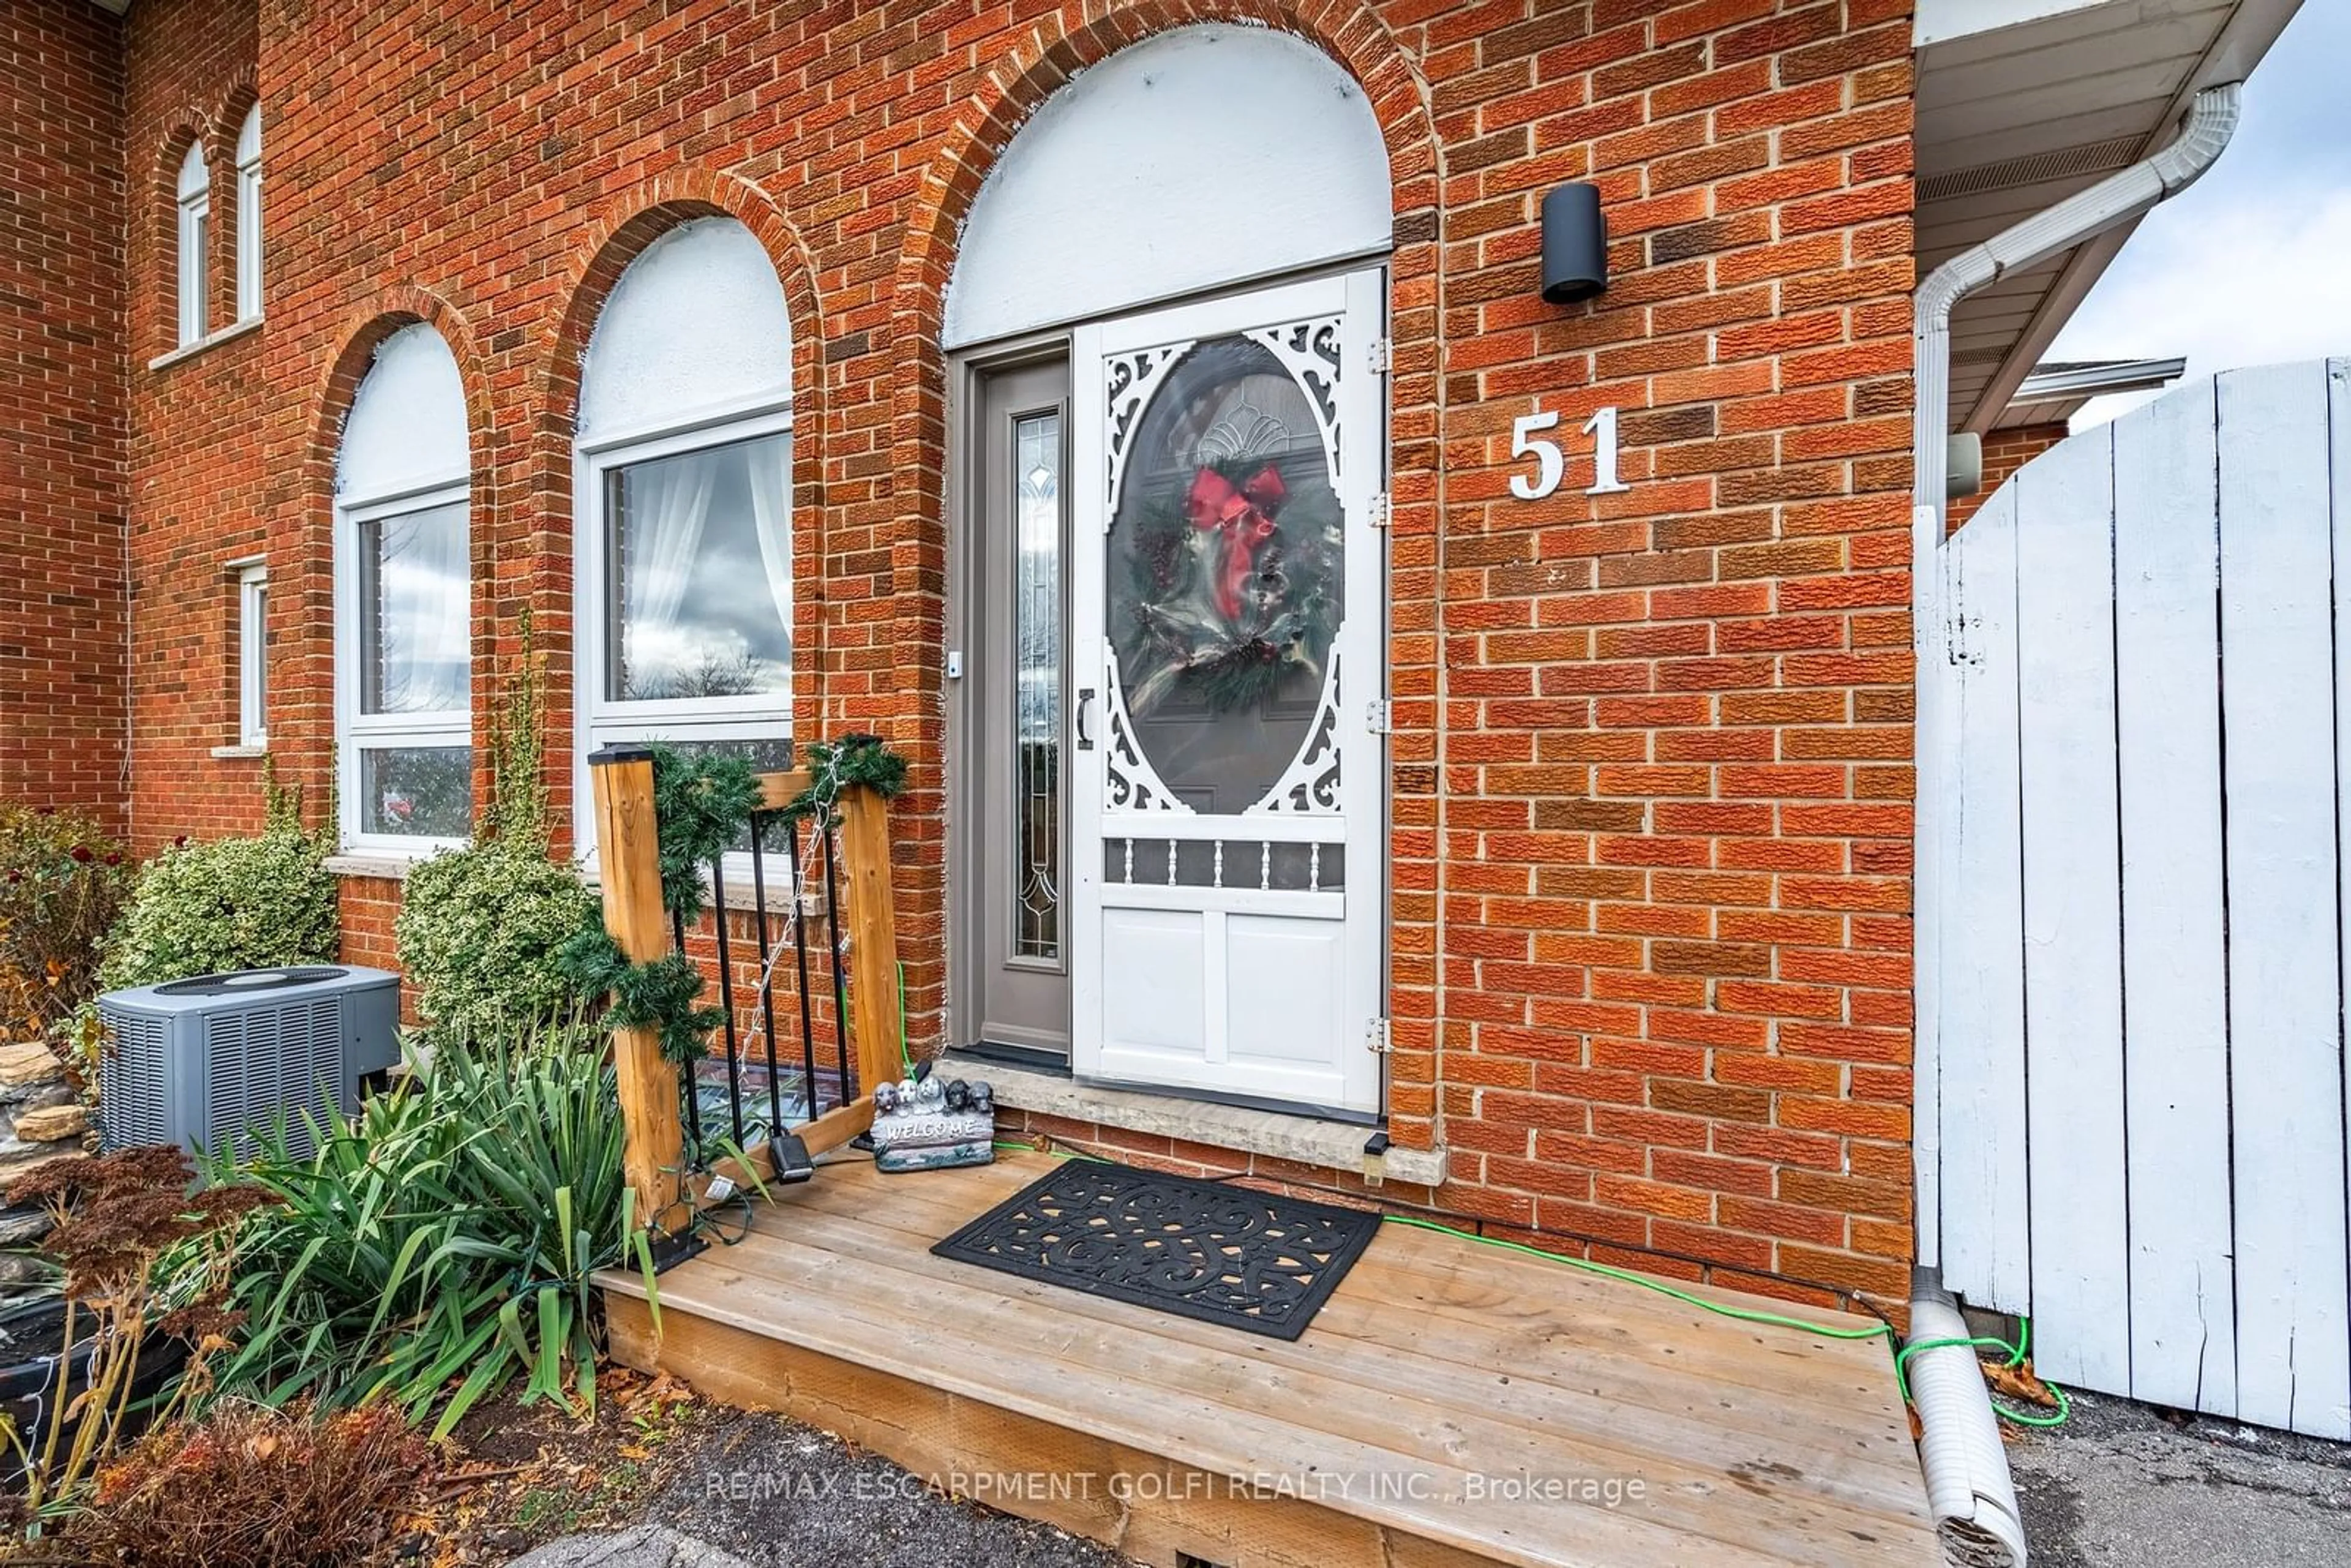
(1244,515)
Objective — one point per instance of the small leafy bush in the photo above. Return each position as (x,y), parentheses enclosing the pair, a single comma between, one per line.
(445,1237)
(231,904)
(258,1489)
(479,927)
(62,882)
(478,931)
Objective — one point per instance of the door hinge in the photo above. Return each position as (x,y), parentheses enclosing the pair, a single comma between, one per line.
(1375,1038)
(1377,715)
(1382,355)
(1379,509)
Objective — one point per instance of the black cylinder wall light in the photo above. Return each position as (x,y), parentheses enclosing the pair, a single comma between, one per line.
(1574,245)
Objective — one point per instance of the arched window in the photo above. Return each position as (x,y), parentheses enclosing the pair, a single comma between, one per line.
(683,502)
(404,619)
(196,242)
(248,216)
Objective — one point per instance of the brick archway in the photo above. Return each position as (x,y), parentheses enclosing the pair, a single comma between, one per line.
(307,747)
(623,228)
(1021,83)
(1018,84)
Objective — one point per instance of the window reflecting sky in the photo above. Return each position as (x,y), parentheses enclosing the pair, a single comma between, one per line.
(700,549)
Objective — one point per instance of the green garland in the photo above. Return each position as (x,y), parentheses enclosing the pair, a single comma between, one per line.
(659,996)
(703,803)
(702,807)
(833,767)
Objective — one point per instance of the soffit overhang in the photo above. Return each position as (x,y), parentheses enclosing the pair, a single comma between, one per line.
(2020,104)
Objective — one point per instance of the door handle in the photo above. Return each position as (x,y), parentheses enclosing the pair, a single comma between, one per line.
(1086,702)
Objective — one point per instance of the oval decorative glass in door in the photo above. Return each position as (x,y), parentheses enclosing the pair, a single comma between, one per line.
(1227,860)
(1226,569)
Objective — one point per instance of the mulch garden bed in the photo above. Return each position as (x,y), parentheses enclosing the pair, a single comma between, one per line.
(771,1490)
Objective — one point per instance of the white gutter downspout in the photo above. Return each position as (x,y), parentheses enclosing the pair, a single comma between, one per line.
(1968,1482)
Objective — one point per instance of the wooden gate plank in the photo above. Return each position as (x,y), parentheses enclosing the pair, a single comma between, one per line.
(2183,1348)
(1986,1246)
(2339,464)
(2073,921)
(2294,1362)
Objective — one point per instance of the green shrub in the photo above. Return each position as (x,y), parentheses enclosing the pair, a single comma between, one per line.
(479,927)
(62,884)
(478,930)
(446,1235)
(231,904)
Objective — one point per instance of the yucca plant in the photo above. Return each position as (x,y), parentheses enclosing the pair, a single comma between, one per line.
(441,1244)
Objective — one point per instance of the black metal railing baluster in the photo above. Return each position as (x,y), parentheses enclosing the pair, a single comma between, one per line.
(799,955)
(689,1073)
(726,998)
(766,974)
(850,1087)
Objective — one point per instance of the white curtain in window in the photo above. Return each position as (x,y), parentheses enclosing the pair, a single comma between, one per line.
(424,639)
(660,533)
(771,512)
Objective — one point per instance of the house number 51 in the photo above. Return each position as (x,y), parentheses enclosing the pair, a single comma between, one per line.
(1551,463)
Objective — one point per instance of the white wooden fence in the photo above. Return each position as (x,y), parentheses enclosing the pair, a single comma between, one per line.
(2142,1097)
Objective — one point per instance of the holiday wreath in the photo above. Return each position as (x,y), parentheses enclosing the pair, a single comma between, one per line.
(1234,581)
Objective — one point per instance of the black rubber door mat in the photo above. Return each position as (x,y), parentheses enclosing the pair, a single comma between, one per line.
(1201,1250)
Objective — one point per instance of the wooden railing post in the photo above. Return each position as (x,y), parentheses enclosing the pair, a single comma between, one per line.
(629,855)
(875,1022)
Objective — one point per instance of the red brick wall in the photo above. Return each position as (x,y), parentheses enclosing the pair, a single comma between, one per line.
(62,634)
(2004,452)
(368,907)
(1669,812)
(1651,774)
(197,445)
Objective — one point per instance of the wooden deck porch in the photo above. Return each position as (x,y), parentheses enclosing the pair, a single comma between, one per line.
(1452,1403)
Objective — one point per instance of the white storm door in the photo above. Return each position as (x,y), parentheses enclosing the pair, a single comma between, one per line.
(1228,631)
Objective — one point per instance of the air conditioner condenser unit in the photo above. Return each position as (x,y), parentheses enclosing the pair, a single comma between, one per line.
(222,1059)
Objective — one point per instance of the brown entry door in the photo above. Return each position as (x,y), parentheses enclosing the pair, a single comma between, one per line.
(1015,711)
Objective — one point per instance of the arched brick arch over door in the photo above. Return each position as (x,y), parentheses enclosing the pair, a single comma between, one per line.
(909,697)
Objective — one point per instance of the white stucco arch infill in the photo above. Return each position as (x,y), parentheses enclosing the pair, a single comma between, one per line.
(407,426)
(1206,156)
(697,322)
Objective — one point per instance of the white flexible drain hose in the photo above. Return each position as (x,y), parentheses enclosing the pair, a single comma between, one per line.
(1968,1485)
